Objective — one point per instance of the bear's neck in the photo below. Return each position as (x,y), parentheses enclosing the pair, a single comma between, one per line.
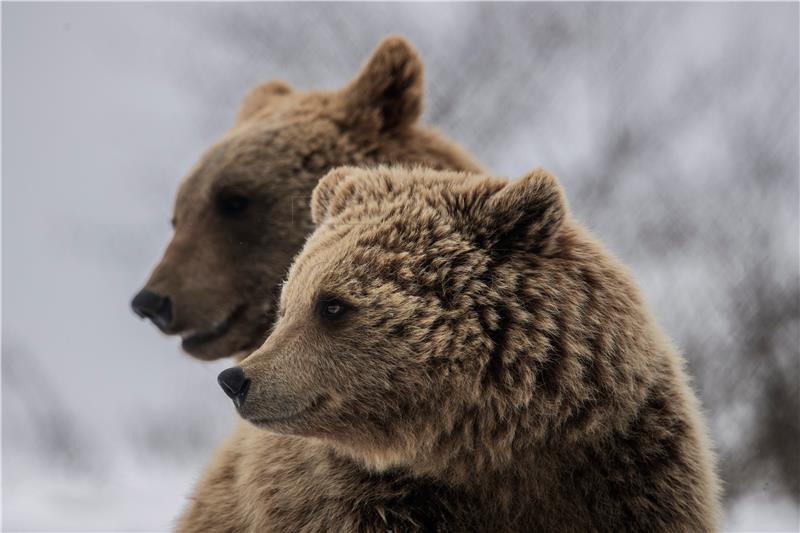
(421,146)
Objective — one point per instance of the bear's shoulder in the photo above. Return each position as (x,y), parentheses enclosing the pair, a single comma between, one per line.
(261,481)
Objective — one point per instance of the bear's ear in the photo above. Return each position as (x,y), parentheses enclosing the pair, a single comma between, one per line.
(258,98)
(526,214)
(331,194)
(387,93)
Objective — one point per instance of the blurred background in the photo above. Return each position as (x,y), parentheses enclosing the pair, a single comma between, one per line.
(673,127)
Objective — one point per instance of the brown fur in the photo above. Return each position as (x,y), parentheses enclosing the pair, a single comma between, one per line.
(221,271)
(491,367)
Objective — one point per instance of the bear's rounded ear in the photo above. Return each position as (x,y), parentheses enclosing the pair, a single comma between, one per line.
(387,93)
(330,195)
(526,214)
(258,98)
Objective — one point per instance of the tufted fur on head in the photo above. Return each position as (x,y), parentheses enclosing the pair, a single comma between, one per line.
(466,331)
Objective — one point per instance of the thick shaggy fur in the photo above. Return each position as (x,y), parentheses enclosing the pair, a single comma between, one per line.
(241,214)
(455,353)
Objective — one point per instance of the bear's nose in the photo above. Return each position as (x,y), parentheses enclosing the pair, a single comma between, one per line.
(234,384)
(157,308)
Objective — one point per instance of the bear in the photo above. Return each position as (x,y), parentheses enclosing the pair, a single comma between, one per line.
(241,214)
(454,352)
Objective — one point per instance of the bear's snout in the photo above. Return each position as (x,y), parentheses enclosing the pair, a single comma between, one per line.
(235,384)
(155,307)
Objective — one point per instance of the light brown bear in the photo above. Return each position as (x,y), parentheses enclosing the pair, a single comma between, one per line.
(455,352)
(241,214)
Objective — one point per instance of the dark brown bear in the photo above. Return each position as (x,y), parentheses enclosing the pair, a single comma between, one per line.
(241,214)
(456,353)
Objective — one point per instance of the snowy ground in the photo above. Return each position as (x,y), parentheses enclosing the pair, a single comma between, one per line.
(674,129)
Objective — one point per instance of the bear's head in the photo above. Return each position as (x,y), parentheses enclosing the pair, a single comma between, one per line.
(439,320)
(447,323)
(241,214)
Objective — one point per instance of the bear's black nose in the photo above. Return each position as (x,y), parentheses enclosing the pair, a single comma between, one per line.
(157,308)
(234,384)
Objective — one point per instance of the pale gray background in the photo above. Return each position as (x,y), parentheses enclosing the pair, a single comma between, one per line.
(674,129)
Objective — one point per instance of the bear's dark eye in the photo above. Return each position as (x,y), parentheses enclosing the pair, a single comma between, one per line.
(332,308)
(231,204)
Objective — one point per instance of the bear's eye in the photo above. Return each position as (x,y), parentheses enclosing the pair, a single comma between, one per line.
(231,204)
(332,308)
